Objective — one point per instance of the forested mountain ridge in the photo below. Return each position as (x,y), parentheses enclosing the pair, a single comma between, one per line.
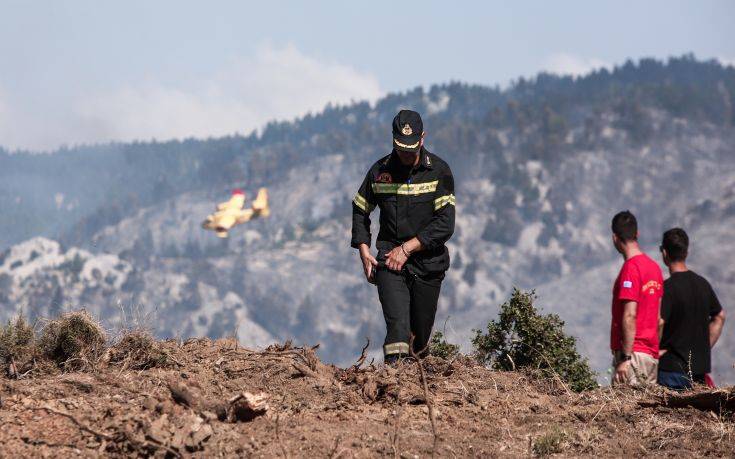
(540,169)
(138,174)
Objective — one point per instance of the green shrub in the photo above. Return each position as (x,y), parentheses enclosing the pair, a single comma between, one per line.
(522,338)
(439,347)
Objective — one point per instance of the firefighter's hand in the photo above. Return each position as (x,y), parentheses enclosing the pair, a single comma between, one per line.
(395,259)
(369,263)
(621,372)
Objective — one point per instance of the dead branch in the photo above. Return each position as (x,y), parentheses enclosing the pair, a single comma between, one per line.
(304,370)
(399,411)
(363,356)
(39,441)
(427,396)
(76,421)
(145,445)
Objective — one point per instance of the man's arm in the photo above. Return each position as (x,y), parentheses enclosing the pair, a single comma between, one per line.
(715,327)
(441,226)
(362,205)
(630,310)
(717,317)
(664,315)
(661,323)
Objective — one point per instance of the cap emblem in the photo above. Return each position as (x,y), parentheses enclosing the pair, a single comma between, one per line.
(406,130)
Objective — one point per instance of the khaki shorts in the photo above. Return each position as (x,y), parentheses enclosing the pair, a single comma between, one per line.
(643,369)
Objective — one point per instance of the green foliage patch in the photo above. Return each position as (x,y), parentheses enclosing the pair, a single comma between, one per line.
(522,338)
(439,347)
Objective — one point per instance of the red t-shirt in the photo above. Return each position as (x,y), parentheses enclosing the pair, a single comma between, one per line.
(640,280)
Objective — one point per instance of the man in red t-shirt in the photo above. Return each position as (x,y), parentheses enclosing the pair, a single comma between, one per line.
(635,307)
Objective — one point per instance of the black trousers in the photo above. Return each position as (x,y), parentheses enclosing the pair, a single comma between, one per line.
(409,306)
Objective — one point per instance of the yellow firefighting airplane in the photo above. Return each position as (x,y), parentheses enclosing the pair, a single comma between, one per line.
(232,212)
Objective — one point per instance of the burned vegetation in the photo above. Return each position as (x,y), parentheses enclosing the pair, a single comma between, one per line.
(69,390)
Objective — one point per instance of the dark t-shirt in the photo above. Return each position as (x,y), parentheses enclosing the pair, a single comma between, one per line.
(688,305)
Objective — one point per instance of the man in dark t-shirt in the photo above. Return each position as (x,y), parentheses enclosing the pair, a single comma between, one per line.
(691,318)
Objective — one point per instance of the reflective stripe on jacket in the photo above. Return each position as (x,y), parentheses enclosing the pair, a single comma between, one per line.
(414,202)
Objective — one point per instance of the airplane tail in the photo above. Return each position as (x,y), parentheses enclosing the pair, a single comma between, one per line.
(260,204)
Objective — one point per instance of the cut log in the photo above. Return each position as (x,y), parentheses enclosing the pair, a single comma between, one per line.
(716,400)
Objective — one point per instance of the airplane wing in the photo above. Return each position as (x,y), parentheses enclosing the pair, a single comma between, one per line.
(236,202)
(244,215)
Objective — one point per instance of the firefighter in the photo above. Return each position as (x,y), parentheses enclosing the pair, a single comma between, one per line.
(414,190)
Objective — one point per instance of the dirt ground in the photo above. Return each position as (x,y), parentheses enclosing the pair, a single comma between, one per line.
(197,406)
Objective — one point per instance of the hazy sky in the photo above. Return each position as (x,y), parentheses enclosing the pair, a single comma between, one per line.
(90,71)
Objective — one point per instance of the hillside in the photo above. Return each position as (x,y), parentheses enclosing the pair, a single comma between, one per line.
(540,168)
(211,398)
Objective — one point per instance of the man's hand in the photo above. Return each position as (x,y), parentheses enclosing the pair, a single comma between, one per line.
(396,258)
(369,263)
(621,372)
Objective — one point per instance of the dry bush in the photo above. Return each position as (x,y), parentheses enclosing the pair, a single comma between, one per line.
(17,344)
(138,350)
(552,442)
(74,341)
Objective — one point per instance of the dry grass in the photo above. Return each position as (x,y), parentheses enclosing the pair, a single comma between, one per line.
(551,442)
(17,345)
(74,341)
(138,350)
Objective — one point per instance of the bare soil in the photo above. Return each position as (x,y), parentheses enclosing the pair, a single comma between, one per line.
(210,400)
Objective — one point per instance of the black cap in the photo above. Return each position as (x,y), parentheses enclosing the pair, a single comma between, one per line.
(407,130)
